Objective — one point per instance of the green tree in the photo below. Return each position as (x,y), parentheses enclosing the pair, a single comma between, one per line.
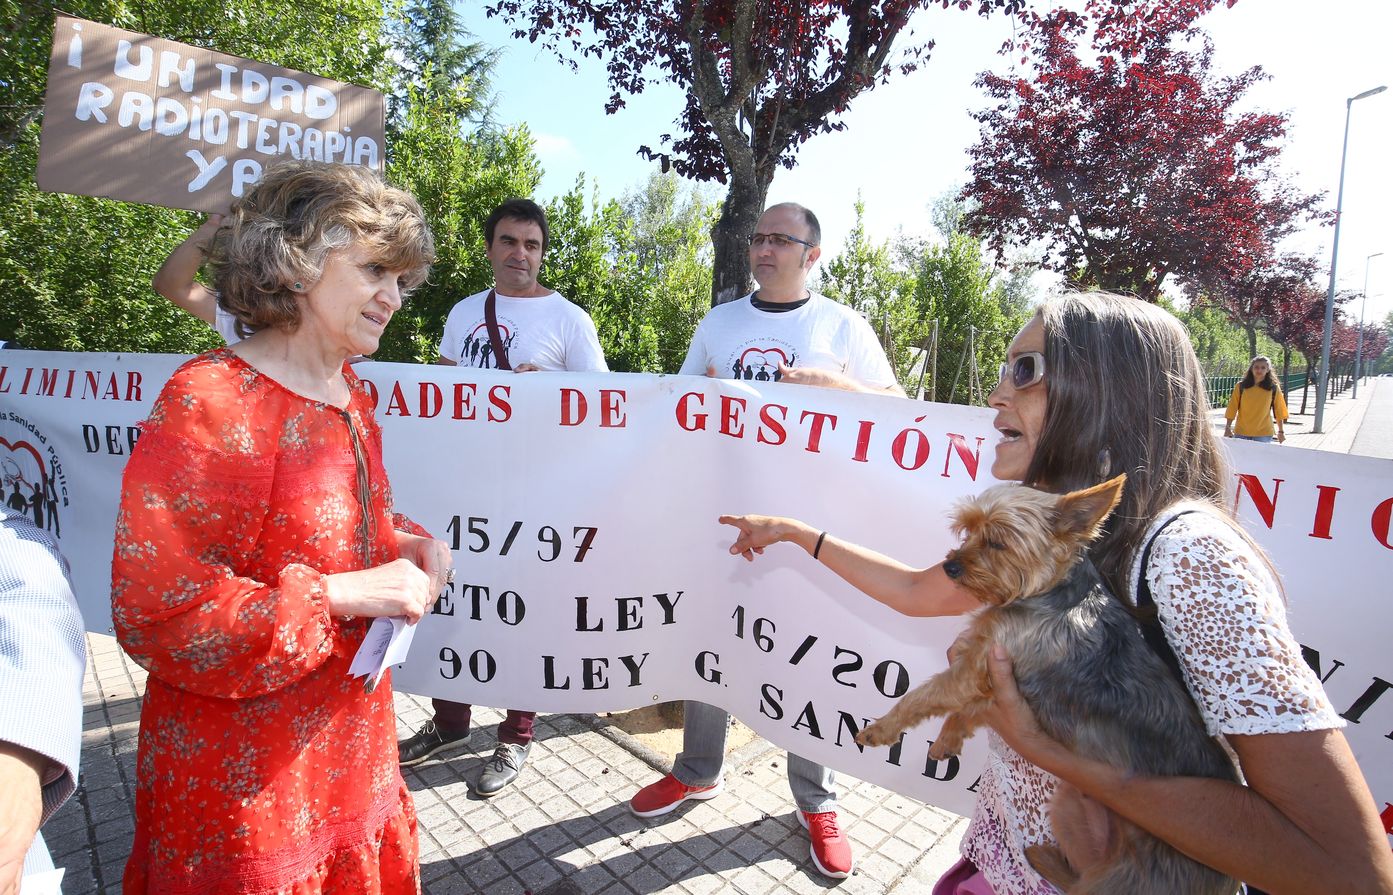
(75,271)
(588,258)
(904,291)
(1222,345)
(954,286)
(864,276)
(458,180)
(441,59)
(670,286)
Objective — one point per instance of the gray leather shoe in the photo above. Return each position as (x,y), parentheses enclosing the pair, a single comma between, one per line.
(502,769)
(426,742)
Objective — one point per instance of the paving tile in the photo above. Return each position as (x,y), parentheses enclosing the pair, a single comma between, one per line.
(562,829)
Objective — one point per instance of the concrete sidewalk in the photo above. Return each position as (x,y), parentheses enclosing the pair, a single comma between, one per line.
(1352,425)
(563,828)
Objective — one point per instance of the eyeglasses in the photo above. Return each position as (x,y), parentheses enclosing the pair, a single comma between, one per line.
(778,241)
(1026,370)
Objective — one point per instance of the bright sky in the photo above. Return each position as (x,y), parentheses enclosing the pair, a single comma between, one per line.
(906,142)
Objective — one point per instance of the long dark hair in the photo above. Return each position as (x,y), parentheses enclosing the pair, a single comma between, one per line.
(1268,382)
(1125,395)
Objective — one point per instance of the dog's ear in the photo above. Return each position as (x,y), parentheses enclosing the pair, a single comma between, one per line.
(1081,513)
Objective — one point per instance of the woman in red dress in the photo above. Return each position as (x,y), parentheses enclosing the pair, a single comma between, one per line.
(255,543)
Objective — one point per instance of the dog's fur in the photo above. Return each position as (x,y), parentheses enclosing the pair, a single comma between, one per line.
(1082,665)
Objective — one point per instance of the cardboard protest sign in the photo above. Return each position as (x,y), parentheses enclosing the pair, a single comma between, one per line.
(139,118)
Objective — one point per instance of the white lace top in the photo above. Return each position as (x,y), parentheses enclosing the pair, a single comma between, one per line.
(1224,617)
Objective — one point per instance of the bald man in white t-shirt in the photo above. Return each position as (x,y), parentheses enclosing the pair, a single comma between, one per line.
(782,332)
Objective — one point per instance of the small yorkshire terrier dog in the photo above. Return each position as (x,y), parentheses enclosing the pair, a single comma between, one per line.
(1082,665)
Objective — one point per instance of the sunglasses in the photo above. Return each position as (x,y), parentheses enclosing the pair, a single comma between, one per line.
(778,241)
(1024,371)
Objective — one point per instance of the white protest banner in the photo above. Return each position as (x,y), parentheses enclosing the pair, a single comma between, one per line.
(139,118)
(592,574)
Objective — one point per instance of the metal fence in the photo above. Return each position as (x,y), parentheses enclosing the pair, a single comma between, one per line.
(1221,387)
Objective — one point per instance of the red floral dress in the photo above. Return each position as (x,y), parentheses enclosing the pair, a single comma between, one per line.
(262,766)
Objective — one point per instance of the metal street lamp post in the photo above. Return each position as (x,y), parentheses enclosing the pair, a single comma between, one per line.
(1334,257)
(1359,343)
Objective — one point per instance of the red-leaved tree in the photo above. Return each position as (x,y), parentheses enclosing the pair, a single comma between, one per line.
(1132,168)
(1252,299)
(763,76)
(1296,321)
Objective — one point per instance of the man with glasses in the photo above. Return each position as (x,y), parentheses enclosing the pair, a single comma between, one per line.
(782,332)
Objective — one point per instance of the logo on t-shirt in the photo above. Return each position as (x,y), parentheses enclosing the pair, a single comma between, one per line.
(759,361)
(477,348)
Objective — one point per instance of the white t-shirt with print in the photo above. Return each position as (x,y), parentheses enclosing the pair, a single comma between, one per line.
(1225,618)
(226,325)
(548,331)
(742,342)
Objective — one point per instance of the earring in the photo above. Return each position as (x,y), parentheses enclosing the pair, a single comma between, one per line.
(298,286)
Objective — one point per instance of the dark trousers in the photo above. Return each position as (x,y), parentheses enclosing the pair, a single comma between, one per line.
(454,717)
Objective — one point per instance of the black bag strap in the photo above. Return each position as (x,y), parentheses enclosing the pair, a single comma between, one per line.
(1151,624)
(1146,614)
(500,354)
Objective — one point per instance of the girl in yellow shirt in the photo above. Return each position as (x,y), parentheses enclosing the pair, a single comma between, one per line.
(1256,403)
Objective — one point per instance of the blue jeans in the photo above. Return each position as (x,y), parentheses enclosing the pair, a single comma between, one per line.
(1265,439)
(704,752)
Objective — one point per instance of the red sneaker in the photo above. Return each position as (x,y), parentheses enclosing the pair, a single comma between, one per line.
(659,798)
(830,850)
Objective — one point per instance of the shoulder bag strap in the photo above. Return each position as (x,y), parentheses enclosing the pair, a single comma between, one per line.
(1151,626)
(1146,609)
(500,354)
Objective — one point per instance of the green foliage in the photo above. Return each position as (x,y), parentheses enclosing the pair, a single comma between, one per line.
(441,59)
(75,271)
(458,180)
(668,283)
(640,267)
(1221,344)
(1384,362)
(903,292)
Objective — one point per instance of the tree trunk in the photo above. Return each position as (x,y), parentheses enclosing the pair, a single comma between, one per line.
(740,212)
(1252,341)
(1306,388)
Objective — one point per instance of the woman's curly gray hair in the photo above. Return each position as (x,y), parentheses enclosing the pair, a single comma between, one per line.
(282,231)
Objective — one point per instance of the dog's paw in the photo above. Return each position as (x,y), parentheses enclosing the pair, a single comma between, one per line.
(943,748)
(878,734)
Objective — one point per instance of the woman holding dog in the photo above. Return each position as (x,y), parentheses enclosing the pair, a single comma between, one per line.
(256,542)
(1265,405)
(1306,821)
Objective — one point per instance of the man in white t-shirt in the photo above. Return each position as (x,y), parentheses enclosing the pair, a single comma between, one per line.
(534,329)
(780,333)
(538,328)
